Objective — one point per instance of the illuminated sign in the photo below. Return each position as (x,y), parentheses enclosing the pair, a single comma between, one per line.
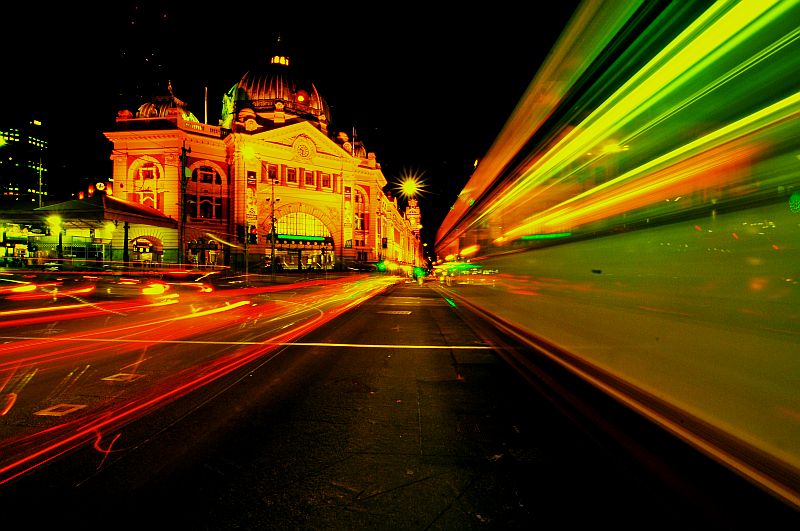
(305,240)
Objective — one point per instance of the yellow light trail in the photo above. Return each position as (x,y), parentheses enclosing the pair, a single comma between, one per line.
(662,176)
(278,343)
(681,79)
(42,310)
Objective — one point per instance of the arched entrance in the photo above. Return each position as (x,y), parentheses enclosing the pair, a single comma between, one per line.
(302,242)
(204,251)
(146,250)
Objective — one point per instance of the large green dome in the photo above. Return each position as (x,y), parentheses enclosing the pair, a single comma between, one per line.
(273,94)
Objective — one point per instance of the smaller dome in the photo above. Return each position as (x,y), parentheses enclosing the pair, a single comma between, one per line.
(166,107)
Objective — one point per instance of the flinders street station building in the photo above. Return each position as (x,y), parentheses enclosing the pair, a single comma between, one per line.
(270,184)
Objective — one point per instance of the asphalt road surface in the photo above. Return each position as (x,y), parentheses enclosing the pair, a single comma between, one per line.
(396,415)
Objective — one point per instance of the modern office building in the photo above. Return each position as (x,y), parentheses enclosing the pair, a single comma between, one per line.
(23,163)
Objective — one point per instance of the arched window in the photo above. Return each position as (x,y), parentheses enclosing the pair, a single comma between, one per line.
(361,217)
(148,198)
(205,194)
(301,224)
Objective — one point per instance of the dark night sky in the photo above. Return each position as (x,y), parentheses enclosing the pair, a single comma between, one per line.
(427,89)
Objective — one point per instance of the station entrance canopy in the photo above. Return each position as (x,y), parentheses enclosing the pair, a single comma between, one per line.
(99,209)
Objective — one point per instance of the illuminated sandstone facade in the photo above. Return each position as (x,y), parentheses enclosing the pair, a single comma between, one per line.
(271,159)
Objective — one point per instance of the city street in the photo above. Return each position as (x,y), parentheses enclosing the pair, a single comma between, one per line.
(395,415)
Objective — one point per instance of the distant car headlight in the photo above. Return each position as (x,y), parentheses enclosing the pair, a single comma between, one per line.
(155,289)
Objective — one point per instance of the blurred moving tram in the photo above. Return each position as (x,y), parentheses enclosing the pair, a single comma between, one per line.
(637,219)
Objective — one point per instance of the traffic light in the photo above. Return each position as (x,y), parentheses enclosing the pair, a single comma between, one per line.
(239,233)
(253,235)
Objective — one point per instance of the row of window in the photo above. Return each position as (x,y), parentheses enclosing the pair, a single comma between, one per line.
(293,176)
(207,175)
(202,174)
(12,135)
(202,207)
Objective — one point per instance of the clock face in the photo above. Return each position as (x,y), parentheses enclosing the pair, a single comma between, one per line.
(304,147)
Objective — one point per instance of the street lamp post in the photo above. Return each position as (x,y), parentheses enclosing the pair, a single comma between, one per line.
(184,181)
(40,181)
(272,228)
(246,234)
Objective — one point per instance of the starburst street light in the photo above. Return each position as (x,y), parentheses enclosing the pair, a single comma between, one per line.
(411,184)
(409,187)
